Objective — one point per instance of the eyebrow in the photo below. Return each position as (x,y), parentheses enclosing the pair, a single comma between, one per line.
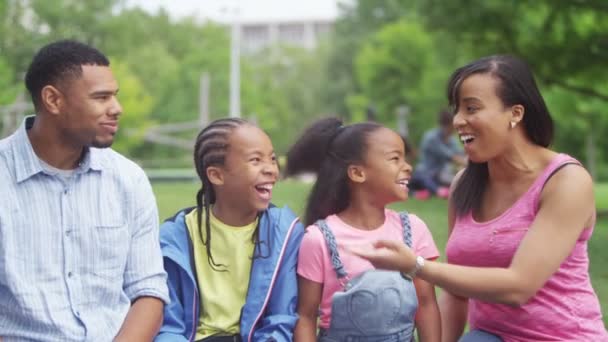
(103,92)
(256,151)
(466,99)
(393,151)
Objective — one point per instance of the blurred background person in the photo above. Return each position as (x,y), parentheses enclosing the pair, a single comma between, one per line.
(441,155)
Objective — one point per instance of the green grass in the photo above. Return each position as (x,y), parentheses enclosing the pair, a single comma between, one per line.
(174,196)
(601,196)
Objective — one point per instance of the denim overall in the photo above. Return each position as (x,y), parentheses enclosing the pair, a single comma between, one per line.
(375,306)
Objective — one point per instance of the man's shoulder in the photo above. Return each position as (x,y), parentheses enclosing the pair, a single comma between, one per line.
(6,144)
(6,152)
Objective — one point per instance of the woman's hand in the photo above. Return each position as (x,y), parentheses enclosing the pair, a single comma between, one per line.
(388,255)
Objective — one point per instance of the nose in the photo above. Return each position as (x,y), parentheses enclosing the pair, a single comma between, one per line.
(407,167)
(116,108)
(271,169)
(458,120)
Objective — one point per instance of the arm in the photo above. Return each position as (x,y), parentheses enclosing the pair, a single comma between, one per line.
(143,320)
(453,309)
(173,327)
(308,306)
(280,318)
(428,322)
(144,276)
(566,206)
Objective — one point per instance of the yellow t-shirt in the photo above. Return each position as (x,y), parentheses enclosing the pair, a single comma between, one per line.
(222,293)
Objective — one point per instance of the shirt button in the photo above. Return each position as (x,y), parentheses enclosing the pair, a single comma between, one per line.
(70,274)
(68,232)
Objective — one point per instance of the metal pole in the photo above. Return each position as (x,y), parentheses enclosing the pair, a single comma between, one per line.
(235,68)
(204,100)
(402,126)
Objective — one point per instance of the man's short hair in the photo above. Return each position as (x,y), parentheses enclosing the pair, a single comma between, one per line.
(57,62)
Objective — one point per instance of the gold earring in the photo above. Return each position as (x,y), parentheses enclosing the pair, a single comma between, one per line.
(513,123)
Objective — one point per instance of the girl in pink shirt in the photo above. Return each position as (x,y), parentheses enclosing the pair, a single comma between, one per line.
(520,218)
(360,169)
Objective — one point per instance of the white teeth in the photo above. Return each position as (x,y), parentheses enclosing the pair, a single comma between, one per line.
(465,138)
(266,186)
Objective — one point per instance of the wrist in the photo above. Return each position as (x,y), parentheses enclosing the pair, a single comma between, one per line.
(418,265)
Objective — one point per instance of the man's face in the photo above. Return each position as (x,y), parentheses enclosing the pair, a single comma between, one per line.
(90,111)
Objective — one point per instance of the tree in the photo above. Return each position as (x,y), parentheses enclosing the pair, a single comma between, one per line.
(136,105)
(398,66)
(566,44)
(283,91)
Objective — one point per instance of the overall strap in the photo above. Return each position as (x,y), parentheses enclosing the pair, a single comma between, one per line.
(332,245)
(407,229)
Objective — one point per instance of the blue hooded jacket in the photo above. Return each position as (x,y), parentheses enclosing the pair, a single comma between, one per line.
(269,313)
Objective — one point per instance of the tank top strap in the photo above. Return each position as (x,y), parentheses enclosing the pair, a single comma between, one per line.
(407,228)
(332,246)
(554,166)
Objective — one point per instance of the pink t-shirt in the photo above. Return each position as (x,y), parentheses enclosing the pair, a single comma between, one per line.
(564,309)
(314,262)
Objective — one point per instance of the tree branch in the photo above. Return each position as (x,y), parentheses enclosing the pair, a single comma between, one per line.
(578,89)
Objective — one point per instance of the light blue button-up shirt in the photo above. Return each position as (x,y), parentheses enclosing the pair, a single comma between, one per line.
(75,254)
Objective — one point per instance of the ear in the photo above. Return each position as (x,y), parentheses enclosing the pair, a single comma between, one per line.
(52,99)
(356,173)
(215,175)
(517,114)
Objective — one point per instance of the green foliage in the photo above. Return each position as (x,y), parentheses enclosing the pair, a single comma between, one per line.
(282,90)
(399,66)
(136,104)
(7,84)
(381,53)
(563,41)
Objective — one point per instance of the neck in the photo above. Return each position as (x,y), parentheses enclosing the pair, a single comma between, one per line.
(50,146)
(520,160)
(364,215)
(231,214)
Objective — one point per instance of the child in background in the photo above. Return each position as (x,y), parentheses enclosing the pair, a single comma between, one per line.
(231,260)
(361,168)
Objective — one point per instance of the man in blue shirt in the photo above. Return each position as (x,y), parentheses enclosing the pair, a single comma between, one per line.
(79,241)
(439,151)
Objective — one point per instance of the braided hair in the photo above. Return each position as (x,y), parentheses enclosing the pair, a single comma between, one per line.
(210,149)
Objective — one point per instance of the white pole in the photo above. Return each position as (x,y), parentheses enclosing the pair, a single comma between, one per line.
(204,99)
(235,68)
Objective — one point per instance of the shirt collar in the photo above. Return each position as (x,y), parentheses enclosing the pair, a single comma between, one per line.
(27,164)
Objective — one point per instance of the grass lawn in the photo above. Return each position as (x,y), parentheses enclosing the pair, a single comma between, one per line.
(601,196)
(174,196)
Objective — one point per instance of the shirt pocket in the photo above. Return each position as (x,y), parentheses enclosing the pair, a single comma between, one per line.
(109,249)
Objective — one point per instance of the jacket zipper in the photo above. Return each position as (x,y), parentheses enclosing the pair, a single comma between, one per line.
(273,279)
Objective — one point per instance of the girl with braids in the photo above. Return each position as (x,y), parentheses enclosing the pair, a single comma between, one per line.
(361,168)
(231,260)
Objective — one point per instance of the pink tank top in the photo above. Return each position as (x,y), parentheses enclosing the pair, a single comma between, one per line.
(565,309)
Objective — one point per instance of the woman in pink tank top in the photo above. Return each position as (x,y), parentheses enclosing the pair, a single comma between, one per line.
(520,216)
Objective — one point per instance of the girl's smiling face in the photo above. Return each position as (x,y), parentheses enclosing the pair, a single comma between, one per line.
(386,171)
